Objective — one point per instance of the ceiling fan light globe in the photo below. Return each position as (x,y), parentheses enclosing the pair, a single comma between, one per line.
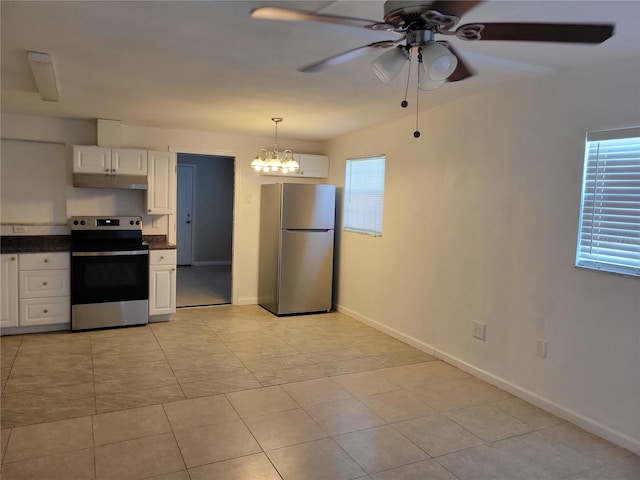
(389,65)
(438,63)
(426,84)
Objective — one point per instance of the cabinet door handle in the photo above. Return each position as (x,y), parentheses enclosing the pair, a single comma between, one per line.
(173,269)
(107,169)
(113,170)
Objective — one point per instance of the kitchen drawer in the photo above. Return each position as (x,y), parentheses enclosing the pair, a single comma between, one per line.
(44,283)
(43,311)
(44,261)
(162,257)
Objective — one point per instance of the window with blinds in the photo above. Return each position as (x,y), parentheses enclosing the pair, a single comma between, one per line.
(364,195)
(609,230)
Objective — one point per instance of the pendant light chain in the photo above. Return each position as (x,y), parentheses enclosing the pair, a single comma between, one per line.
(416,133)
(404,102)
(275,145)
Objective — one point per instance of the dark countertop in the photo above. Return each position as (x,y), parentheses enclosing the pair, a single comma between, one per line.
(35,243)
(158,242)
(62,243)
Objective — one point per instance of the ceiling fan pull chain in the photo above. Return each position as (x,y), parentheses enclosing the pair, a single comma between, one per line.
(416,133)
(404,103)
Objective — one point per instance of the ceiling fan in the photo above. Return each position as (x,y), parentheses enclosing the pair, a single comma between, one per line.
(416,24)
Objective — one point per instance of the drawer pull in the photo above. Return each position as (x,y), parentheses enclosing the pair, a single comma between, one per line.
(46,260)
(13,259)
(161,257)
(44,283)
(46,311)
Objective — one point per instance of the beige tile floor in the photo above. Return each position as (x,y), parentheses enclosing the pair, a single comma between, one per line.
(203,285)
(235,393)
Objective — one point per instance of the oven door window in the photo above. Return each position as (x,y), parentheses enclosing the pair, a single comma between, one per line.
(113,278)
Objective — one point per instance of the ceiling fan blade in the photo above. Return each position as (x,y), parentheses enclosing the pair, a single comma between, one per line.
(345,56)
(290,15)
(545,32)
(463,70)
(455,8)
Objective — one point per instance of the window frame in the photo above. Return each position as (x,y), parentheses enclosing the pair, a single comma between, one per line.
(600,228)
(354,220)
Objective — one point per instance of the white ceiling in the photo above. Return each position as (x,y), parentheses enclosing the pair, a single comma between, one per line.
(206,65)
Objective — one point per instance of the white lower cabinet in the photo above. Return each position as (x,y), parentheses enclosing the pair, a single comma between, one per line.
(9,289)
(36,289)
(44,288)
(44,311)
(162,285)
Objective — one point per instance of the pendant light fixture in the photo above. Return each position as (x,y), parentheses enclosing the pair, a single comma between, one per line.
(275,160)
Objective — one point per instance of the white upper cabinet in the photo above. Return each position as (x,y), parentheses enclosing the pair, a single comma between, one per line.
(91,159)
(115,161)
(315,166)
(311,165)
(162,182)
(128,161)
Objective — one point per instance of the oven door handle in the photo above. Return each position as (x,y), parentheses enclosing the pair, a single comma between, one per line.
(110,254)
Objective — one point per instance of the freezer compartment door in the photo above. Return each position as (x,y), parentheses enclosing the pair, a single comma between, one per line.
(306,271)
(308,206)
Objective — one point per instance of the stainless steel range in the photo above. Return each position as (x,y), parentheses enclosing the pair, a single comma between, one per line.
(109,273)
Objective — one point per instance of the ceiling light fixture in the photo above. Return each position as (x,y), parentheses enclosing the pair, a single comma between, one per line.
(42,69)
(274,160)
(436,63)
(389,65)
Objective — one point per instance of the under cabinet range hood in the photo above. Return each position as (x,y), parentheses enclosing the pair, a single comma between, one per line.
(100,180)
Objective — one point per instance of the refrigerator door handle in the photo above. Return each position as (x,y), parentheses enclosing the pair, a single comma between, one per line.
(322,230)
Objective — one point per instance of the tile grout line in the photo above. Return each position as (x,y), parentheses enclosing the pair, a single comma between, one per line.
(175,439)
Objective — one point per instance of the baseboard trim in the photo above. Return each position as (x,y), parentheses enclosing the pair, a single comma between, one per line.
(245,301)
(414,342)
(209,263)
(550,406)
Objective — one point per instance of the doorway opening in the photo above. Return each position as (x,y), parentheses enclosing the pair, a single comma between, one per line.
(204,229)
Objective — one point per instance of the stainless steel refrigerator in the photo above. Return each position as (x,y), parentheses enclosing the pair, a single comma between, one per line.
(296,247)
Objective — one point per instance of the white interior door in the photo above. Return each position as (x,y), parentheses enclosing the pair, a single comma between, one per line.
(184,240)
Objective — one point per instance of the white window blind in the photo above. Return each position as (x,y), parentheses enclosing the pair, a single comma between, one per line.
(609,230)
(364,195)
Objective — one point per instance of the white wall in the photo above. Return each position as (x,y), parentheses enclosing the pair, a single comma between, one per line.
(480,223)
(100,201)
(36,172)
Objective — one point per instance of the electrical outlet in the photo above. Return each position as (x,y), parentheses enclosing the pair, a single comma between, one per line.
(19,229)
(541,348)
(479,331)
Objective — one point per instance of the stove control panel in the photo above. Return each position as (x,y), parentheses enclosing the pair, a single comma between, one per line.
(105,223)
